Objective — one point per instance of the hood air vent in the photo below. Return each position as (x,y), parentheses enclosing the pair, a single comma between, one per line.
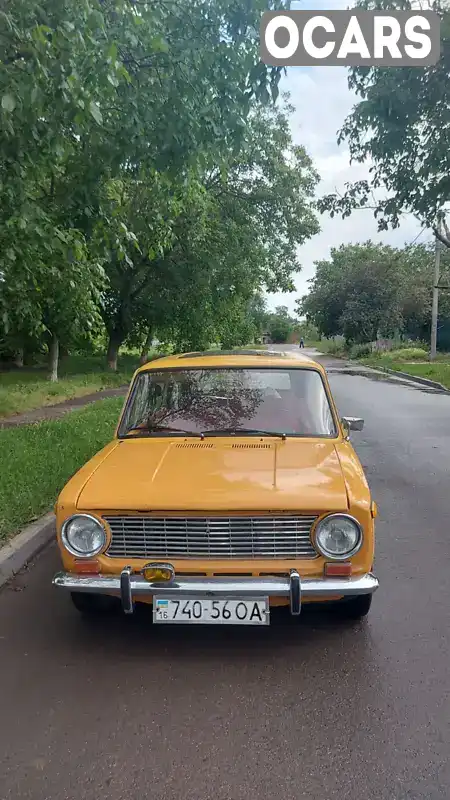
(209,446)
(251,446)
(191,445)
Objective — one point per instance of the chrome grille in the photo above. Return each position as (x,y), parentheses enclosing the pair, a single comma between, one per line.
(211,537)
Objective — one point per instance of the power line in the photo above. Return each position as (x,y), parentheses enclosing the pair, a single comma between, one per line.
(416,237)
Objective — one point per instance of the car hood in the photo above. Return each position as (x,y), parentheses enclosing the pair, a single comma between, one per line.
(217,475)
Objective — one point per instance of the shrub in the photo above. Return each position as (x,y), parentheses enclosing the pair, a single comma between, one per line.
(360,350)
(332,347)
(407,344)
(409,354)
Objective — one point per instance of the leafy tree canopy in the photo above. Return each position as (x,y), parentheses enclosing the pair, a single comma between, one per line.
(280,325)
(220,237)
(368,289)
(141,177)
(401,126)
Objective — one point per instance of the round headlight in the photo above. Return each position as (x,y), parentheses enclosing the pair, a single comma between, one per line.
(83,535)
(338,536)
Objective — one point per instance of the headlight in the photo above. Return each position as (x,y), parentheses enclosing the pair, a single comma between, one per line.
(83,535)
(338,536)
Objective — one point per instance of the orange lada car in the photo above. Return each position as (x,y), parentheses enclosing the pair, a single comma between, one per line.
(230,487)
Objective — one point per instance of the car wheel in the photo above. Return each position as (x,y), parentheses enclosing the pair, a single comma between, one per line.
(357,607)
(93,605)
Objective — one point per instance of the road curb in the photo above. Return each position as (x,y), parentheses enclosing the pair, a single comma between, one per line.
(409,377)
(23,547)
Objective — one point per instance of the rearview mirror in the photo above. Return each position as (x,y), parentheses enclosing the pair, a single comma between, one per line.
(353,423)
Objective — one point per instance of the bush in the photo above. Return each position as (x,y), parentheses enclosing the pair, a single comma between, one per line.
(409,354)
(407,344)
(360,350)
(333,348)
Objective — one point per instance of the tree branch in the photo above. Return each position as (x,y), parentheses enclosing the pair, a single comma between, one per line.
(443,238)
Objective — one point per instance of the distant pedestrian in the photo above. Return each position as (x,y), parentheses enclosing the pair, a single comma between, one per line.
(302,344)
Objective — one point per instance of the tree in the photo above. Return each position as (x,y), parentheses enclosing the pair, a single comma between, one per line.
(258,313)
(106,91)
(52,291)
(280,325)
(305,329)
(366,289)
(416,292)
(356,293)
(402,125)
(187,256)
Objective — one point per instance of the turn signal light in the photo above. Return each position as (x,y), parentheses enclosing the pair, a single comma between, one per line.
(333,570)
(87,567)
(158,573)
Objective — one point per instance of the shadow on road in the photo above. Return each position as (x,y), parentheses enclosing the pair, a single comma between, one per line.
(47,621)
(138,636)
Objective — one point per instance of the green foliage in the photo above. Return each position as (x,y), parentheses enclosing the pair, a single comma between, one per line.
(257,315)
(307,330)
(280,325)
(48,454)
(405,344)
(355,293)
(367,290)
(360,351)
(438,370)
(409,354)
(401,124)
(27,389)
(235,231)
(333,347)
(145,177)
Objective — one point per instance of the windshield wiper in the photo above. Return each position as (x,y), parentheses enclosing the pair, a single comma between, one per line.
(244,432)
(135,433)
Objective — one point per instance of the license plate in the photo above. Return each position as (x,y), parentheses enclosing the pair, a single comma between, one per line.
(212,611)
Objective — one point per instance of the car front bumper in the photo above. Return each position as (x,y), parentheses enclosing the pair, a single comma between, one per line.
(130,586)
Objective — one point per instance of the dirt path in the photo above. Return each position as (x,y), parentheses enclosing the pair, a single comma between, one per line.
(58,410)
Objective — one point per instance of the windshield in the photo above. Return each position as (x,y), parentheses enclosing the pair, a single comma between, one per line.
(290,401)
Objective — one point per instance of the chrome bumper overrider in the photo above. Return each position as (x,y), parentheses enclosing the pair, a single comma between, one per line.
(129,586)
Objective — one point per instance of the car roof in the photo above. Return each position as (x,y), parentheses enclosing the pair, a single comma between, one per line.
(232,358)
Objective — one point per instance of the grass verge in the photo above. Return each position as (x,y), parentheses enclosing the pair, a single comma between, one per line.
(37,460)
(437,371)
(27,389)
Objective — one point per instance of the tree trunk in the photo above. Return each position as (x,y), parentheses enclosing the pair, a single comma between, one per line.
(115,340)
(53,354)
(144,352)
(18,357)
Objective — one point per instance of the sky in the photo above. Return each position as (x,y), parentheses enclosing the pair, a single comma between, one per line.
(322,100)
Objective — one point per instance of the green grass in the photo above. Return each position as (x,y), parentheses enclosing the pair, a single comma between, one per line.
(438,371)
(409,354)
(37,460)
(27,389)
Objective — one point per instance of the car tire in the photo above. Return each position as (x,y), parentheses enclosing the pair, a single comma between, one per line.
(93,605)
(357,607)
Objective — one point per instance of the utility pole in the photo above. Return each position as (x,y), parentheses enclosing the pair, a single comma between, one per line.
(435,305)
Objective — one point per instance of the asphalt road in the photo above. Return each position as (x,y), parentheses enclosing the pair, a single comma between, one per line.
(309,709)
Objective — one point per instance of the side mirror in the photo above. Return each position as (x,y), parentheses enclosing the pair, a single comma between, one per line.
(353,423)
